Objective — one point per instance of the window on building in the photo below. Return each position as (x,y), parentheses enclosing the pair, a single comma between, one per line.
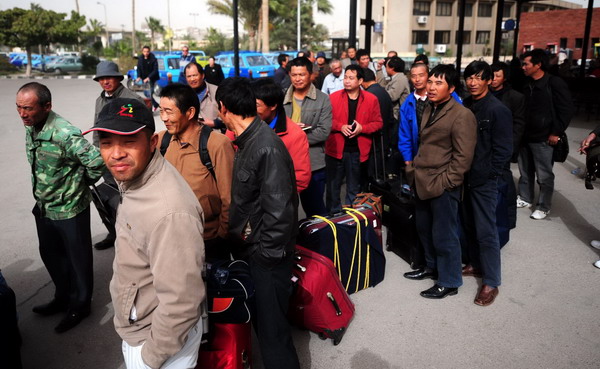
(525,8)
(441,37)
(563,43)
(507,10)
(538,8)
(420,37)
(468,9)
(483,37)
(484,10)
(595,40)
(443,9)
(466,37)
(421,8)
(578,43)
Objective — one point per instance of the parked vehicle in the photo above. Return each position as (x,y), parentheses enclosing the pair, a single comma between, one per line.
(65,64)
(18,59)
(167,64)
(252,64)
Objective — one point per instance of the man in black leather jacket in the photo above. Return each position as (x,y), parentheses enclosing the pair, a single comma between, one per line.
(263,218)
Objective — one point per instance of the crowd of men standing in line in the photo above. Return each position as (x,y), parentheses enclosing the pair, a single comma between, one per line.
(302,135)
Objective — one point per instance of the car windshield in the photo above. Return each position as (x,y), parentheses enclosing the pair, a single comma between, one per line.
(173,63)
(225,61)
(256,60)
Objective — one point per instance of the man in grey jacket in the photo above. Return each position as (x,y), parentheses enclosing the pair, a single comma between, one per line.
(157,287)
(311,110)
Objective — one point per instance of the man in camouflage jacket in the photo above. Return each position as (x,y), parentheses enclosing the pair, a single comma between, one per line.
(63,165)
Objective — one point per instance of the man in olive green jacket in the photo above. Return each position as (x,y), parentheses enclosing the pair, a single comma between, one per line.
(63,165)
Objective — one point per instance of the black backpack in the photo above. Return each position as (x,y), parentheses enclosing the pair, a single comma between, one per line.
(204,156)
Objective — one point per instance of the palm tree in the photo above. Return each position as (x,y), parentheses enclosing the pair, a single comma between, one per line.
(95,28)
(155,27)
(248,13)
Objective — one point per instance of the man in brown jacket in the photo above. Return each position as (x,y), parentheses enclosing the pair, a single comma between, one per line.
(448,135)
(179,108)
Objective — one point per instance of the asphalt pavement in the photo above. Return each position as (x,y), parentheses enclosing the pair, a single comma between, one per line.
(546,316)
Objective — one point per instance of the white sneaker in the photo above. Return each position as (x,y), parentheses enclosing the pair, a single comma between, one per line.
(539,214)
(597,264)
(595,244)
(522,203)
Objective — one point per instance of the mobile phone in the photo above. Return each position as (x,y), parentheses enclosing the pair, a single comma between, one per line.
(353,126)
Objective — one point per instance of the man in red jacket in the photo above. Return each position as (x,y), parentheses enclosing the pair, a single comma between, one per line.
(355,117)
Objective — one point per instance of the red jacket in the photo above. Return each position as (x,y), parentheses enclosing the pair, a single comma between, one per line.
(296,142)
(367,114)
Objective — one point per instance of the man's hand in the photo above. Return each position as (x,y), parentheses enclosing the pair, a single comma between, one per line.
(146,80)
(301,125)
(585,144)
(349,132)
(138,79)
(553,140)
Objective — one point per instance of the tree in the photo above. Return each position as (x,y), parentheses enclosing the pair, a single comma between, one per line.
(284,35)
(155,27)
(216,41)
(248,13)
(37,26)
(94,29)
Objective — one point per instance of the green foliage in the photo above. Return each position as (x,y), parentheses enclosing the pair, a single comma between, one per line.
(284,35)
(119,48)
(6,67)
(216,41)
(89,63)
(248,14)
(155,27)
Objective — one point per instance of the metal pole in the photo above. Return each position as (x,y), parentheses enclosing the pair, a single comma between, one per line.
(169,22)
(461,31)
(586,38)
(236,39)
(133,27)
(517,27)
(298,41)
(352,27)
(498,31)
(368,24)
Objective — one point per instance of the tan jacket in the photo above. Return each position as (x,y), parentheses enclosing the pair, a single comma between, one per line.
(209,109)
(214,195)
(157,287)
(445,152)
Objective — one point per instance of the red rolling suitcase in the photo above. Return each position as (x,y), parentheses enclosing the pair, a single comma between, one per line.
(228,346)
(319,302)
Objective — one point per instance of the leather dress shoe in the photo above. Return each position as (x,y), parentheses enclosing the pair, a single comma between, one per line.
(106,243)
(421,274)
(470,271)
(486,295)
(51,308)
(72,319)
(439,292)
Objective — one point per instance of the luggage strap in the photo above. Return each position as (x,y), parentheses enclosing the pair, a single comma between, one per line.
(357,243)
(205,132)
(336,250)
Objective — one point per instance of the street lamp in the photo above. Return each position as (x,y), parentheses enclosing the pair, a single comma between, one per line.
(105,23)
(194,15)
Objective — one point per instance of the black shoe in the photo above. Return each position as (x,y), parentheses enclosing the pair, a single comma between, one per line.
(72,319)
(421,274)
(106,243)
(439,292)
(51,308)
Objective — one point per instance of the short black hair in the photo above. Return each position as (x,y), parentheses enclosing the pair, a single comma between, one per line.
(538,56)
(476,67)
(501,66)
(449,73)
(267,90)
(420,65)
(301,61)
(183,96)
(236,95)
(360,74)
(146,47)
(361,52)
(396,63)
(281,58)
(369,75)
(192,63)
(422,58)
(41,91)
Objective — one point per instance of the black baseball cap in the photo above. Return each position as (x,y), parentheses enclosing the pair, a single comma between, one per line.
(124,117)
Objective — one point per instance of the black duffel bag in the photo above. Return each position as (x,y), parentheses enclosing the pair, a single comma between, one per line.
(230,292)
(561,149)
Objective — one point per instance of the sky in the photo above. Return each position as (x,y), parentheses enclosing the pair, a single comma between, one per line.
(119,12)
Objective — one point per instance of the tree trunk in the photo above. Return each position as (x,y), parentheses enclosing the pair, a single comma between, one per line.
(28,68)
(252,40)
(265,26)
(133,27)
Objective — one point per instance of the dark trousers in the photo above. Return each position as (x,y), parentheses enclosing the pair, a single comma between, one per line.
(10,338)
(337,169)
(535,159)
(482,234)
(437,224)
(312,197)
(273,288)
(66,250)
(154,103)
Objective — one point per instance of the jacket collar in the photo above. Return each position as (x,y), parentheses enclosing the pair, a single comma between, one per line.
(476,105)
(48,128)
(289,95)
(450,104)
(117,92)
(249,133)
(154,166)
(281,125)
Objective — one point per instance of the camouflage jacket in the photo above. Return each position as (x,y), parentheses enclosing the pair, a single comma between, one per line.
(63,165)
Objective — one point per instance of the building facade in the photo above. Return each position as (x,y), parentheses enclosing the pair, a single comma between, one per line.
(432,25)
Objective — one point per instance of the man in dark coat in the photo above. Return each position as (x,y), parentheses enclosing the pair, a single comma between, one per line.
(147,71)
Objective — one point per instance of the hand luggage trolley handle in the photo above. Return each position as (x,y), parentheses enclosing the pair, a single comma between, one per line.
(338,311)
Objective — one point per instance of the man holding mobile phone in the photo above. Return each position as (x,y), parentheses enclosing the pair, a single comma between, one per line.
(356,117)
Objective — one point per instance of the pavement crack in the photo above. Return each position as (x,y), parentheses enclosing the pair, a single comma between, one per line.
(34,294)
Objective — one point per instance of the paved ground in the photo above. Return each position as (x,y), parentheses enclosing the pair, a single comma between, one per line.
(547,314)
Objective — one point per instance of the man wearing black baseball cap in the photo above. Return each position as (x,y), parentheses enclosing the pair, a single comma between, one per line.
(156,287)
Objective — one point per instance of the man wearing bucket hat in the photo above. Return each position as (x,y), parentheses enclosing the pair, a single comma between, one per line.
(157,287)
(109,78)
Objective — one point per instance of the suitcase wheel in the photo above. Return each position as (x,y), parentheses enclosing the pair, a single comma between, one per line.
(335,335)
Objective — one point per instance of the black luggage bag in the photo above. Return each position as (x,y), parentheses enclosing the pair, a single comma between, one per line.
(106,198)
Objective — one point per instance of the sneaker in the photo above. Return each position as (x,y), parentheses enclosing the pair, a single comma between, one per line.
(539,214)
(595,244)
(522,203)
(597,264)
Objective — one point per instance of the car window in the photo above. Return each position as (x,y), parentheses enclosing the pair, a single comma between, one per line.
(256,60)
(173,63)
(225,61)
(161,63)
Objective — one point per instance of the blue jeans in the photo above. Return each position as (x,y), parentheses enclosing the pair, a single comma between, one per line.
(437,224)
(481,231)
(337,169)
(312,197)
(535,159)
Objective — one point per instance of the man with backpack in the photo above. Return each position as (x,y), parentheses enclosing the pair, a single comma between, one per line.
(203,157)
